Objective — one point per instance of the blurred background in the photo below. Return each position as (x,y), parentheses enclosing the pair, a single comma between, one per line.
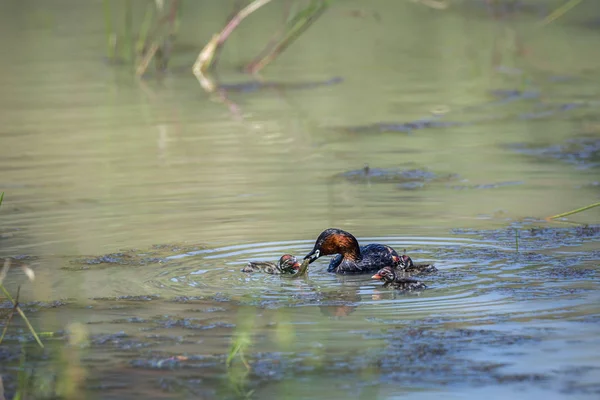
(412,123)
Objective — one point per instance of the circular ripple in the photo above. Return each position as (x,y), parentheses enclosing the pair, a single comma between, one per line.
(476,279)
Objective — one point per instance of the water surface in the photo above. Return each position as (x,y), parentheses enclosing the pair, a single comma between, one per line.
(177,193)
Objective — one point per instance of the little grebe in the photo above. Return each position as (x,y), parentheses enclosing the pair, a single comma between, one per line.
(352,258)
(389,277)
(408,266)
(287,264)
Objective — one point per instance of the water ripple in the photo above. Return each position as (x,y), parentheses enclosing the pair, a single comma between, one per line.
(477,278)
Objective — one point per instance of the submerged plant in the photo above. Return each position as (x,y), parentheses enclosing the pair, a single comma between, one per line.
(240,343)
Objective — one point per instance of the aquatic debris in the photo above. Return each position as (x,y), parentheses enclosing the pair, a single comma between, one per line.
(189,323)
(424,356)
(160,360)
(537,237)
(157,254)
(253,86)
(548,110)
(122,259)
(387,175)
(488,185)
(221,297)
(188,299)
(116,258)
(583,152)
(406,127)
(563,272)
(108,338)
(8,354)
(34,306)
(148,297)
(120,341)
(507,95)
(533,293)
(405,178)
(168,363)
(209,309)
(191,386)
(504,97)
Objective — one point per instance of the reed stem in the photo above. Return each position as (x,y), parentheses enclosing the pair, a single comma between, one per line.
(110,33)
(574,211)
(204,61)
(560,11)
(298,25)
(128,45)
(145,29)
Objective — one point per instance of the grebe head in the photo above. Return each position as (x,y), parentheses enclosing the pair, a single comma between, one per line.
(335,241)
(386,274)
(288,263)
(406,261)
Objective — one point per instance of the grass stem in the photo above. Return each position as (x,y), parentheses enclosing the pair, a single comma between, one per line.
(22,314)
(573,211)
(560,11)
(109,30)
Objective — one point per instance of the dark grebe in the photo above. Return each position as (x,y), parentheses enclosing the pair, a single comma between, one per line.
(352,258)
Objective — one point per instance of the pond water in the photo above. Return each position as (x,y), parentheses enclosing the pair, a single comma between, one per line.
(137,202)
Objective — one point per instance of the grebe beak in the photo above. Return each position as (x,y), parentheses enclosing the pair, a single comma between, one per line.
(376,276)
(313,255)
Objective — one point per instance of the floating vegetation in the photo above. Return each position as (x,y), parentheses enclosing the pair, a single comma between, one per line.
(583,152)
(538,237)
(405,178)
(482,186)
(406,127)
(253,86)
(157,254)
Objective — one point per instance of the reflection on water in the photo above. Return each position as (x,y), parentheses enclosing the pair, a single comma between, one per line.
(137,203)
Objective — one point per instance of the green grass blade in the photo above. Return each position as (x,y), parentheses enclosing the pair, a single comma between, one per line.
(108,27)
(22,314)
(560,11)
(574,211)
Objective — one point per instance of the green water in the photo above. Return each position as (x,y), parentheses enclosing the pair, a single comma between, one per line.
(94,161)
